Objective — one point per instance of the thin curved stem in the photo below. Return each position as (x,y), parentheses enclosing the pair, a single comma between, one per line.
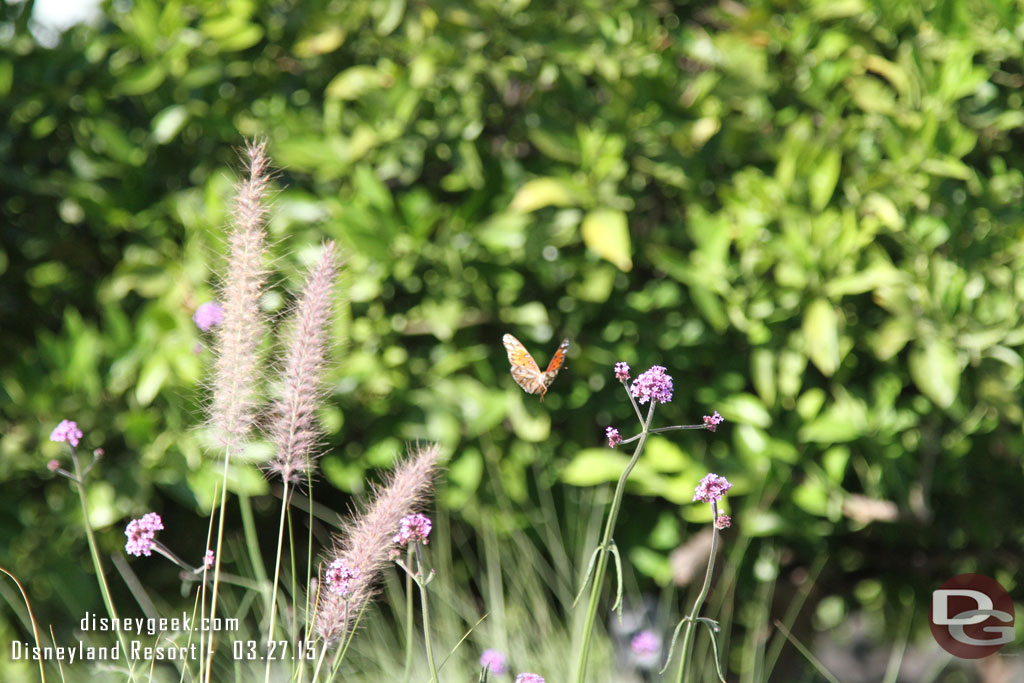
(409,625)
(94,552)
(692,620)
(216,564)
(426,614)
(602,560)
(277,574)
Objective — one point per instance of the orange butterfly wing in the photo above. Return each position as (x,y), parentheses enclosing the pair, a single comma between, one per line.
(556,363)
(525,370)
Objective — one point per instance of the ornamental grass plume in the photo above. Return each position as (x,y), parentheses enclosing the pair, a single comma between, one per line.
(365,544)
(293,425)
(233,406)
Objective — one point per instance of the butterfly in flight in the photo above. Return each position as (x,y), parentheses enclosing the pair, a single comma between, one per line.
(525,370)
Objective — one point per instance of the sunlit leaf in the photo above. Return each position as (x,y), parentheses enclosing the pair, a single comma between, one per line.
(606,232)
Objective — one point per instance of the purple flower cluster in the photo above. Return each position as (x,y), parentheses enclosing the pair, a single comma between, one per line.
(208,315)
(413,528)
(645,644)
(653,384)
(711,422)
(529,678)
(141,532)
(339,577)
(622,372)
(723,522)
(494,661)
(208,559)
(711,488)
(66,431)
(613,437)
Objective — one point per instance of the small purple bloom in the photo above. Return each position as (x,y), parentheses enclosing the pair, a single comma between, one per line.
(66,431)
(613,437)
(141,532)
(413,528)
(529,678)
(711,488)
(653,384)
(645,649)
(208,559)
(494,661)
(723,522)
(711,422)
(53,465)
(208,315)
(622,371)
(645,643)
(339,577)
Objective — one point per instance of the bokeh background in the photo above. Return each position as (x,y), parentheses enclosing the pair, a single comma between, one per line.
(810,212)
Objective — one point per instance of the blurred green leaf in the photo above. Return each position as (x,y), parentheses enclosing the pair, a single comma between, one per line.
(936,371)
(821,333)
(606,232)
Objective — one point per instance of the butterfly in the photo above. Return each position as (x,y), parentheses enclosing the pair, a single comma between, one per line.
(524,367)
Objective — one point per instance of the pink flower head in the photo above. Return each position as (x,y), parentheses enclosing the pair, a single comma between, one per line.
(622,372)
(208,559)
(711,422)
(613,437)
(645,643)
(339,577)
(66,431)
(645,649)
(413,528)
(529,678)
(53,465)
(494,661)
(723,522)
(141,532)
(653,384)
(711,488)
(208,315)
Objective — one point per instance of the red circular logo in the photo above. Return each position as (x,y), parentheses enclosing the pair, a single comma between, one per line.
(971,616)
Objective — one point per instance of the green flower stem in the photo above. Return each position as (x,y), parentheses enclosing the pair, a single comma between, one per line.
(204,671)
(422,581)
(94,551)
(659,430)
(602,560)
(409,625)
(691,621)
(277,574)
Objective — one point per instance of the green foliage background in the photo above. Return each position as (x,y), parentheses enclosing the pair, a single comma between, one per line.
(809,212)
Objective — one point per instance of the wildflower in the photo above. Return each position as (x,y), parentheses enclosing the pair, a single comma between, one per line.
(366,541)
(711,488)
(494,661)
(613,437)
(723,522)
(645,643)
(66,431)
(529,678)
(141,532)
(622,372)
(339,576)
(53,465)
(208,559)
(711,422)
(413,528)
(653,384)
(208,315)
